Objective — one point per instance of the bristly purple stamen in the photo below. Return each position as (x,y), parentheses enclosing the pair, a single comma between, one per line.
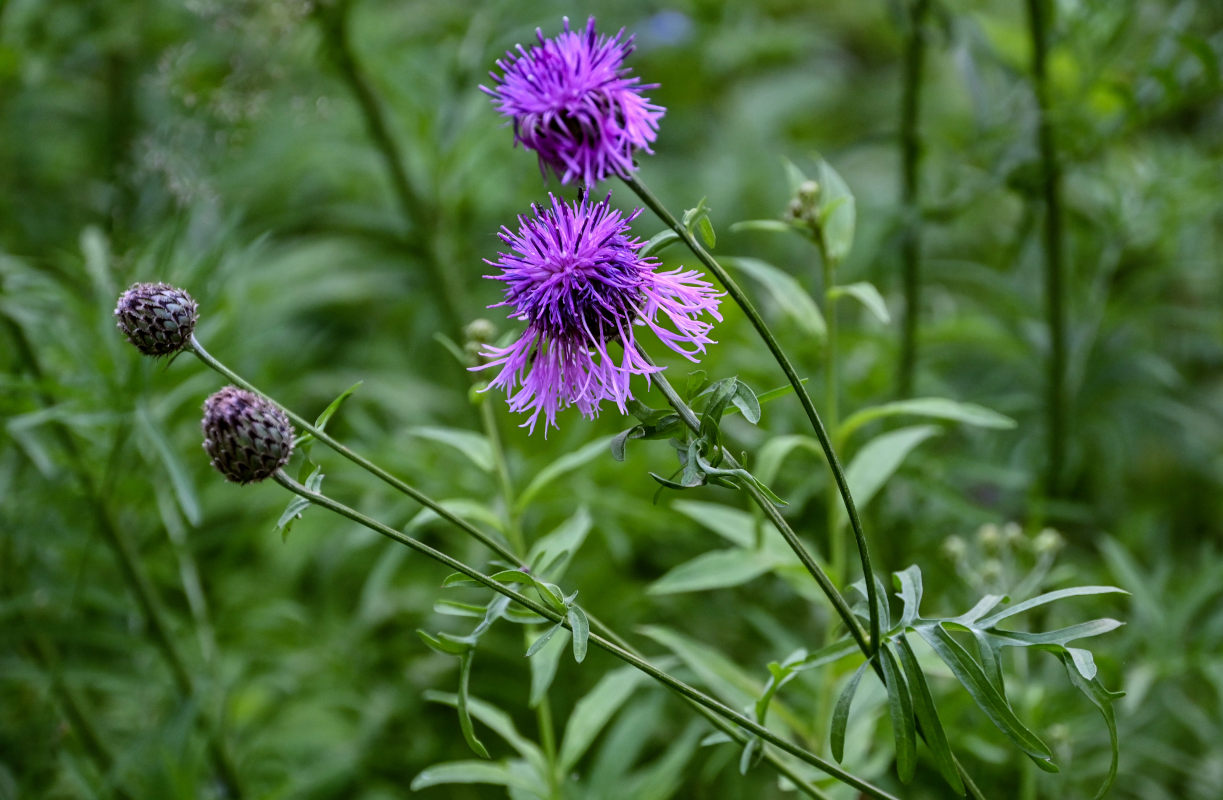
(574,274)
(574,103)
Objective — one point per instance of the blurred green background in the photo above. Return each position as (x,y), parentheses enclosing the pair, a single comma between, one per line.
(326,179)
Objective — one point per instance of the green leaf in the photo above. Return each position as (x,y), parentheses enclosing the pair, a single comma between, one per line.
(971,676)
(469,731)
(840,712)
(717,569)
(658,243)
(581,632)
(706,229)
(463,507)
(746,401)
(544,662)
(877,461)
(184,489)
(1047,597)
(837,213)
(765,225)
(933,407)
(475,772)
(909,582)
(1083,630)
(866,294)
(497,721)
(900,709)
(735,526)
(541,642)
(445,645)
(593,712)
(563,541)
(297,504)
(1102,699)
(776,450)
(471,444)
(566,463)
(786,292)
(927,714)
(334,406)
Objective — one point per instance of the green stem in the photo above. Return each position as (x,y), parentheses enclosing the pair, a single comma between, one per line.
(737,294)
(836,543)
(362,462)
(547,738)
(672,683)
(492,430)
(1051,186)
(910,156)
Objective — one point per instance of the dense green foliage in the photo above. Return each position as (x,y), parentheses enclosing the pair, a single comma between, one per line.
(326,178)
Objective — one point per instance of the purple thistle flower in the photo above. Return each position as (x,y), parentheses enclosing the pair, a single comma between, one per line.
(575,275)
(575,105)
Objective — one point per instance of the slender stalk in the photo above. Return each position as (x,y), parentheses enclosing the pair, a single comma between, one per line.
(418,213)
(547,738)
(362,462)
(910,157)
(740,297)
(1051,186)
(138,582)
(671,682)
(836,543)
(493,431)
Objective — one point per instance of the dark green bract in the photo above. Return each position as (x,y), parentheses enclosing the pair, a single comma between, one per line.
(247,437)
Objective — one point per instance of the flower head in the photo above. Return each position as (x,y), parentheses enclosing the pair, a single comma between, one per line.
(156,317)
(247,436)
(575,276)
(574,103)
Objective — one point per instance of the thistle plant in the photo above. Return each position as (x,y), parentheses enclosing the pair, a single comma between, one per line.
(585,284)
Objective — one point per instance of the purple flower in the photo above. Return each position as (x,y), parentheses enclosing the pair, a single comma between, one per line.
(575,105)
(575,275)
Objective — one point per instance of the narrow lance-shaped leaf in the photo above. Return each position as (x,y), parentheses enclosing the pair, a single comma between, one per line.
(1047,597)
(971,676)
(1102,699)
(927,715)
(900,709)
(469,731)
(840,713)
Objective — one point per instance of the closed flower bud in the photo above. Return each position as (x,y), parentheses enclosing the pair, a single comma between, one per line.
(247,437)
(156,317)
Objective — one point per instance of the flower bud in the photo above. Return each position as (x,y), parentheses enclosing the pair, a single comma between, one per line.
(1048,541)
(247,436)
(156,317)
(990,537)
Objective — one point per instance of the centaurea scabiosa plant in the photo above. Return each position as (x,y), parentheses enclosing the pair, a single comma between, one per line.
(575,274)
(571,100)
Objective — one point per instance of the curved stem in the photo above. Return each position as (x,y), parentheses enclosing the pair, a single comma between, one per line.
(740,297)
(671,682)
(362,462)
